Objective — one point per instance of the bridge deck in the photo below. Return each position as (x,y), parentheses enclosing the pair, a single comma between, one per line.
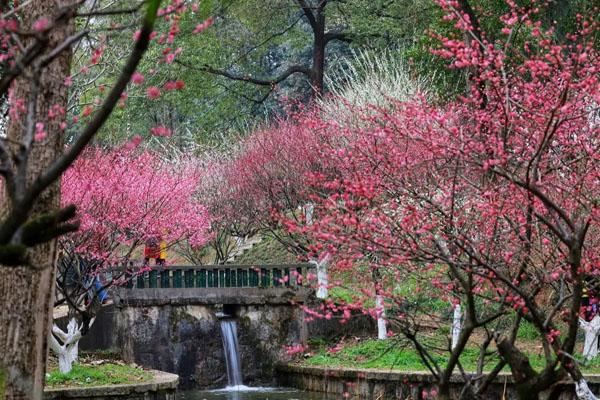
(191,296)
(214,284)
(217,276)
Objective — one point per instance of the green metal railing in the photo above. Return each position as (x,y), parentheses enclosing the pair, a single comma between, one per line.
(219,276)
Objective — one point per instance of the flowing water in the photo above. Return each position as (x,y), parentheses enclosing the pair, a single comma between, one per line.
(251,394)
(235,389)
(232,355)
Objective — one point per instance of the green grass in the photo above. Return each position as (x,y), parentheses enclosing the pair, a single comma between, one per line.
(98,375)
(389,354)
(527,331)
(345,295)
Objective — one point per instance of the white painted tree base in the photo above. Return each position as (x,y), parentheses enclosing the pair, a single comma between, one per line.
(322,276)
(583,391)
(68,351)
(456,326)
(591,329)
(381,324)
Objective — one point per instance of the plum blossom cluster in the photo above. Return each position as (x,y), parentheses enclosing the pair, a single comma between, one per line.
(126,195)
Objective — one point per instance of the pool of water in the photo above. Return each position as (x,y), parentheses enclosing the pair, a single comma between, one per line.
(250,393)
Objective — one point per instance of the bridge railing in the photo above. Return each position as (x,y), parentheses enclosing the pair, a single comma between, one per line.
(219,276)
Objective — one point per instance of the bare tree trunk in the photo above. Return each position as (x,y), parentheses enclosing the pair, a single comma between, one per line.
(318,66)
(26,292)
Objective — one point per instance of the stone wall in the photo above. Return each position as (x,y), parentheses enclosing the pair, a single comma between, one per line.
(187,340)
(359,325)
(177,330)
(178,336)
(392,385)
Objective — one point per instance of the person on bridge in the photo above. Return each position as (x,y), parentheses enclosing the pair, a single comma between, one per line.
(155,248)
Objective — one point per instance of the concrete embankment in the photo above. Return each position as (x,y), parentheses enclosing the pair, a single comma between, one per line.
(395,385)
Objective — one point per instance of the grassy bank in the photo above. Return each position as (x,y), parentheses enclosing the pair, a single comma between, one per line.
(98,375)
(392,354)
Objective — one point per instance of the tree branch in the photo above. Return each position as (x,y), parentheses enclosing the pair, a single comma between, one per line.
(294,69)
(341,36)
(306,8)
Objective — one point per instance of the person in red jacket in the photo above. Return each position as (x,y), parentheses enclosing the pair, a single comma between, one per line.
(155,248)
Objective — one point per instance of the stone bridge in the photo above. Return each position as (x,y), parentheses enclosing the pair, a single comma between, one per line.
(225,285)
(169,319)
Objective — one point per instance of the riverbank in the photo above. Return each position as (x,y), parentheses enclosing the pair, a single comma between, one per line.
(396,354)
(365,383)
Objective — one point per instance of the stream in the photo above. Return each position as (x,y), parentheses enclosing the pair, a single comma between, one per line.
(251,394)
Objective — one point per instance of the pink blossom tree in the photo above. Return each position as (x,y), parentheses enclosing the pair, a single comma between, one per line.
(265,178)
(488,201)
(123,196)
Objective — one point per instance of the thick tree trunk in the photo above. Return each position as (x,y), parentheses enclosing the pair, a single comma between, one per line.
(318,65)
(26,292)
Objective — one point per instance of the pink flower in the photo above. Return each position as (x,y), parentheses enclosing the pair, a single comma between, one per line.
(170,58)
(41,24)
(68,81)
(97,55)
(161,131)
(153,92)
(40,133)
(170,85)
(137,78)
(55,111)
(174,85)
(202,26)
(87,111)
(134,142)
(294,349)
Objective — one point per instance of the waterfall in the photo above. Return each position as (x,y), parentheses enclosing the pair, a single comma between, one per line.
(232,356)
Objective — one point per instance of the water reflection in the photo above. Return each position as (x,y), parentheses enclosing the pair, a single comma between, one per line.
(248,393)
